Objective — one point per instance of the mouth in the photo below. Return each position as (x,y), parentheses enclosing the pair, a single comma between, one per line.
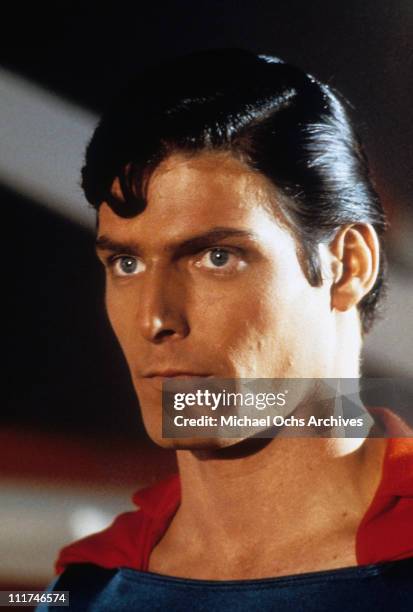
(176,374)
(157,378)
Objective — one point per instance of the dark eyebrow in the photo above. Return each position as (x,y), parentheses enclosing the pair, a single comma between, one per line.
(104,243)
(191,245)
(216,234)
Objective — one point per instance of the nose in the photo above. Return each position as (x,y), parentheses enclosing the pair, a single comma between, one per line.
(162,315)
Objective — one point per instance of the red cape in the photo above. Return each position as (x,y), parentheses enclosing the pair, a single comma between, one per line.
(384,534)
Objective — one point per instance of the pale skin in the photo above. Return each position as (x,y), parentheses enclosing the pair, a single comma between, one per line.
(250,508)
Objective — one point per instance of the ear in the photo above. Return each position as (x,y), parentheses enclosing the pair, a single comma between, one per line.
(356,264)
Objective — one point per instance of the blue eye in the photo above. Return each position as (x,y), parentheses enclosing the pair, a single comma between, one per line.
(126,265)
(221,261)
(219,257)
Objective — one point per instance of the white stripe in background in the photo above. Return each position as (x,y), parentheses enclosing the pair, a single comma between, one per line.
(42,145)
(38,518)
(389,346)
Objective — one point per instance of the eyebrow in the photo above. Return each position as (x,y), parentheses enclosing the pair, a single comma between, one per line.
(191,245)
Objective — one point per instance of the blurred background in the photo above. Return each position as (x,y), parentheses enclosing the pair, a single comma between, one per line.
(72,446)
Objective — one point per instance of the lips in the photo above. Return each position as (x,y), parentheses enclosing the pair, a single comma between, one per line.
(175,374)
(156,378)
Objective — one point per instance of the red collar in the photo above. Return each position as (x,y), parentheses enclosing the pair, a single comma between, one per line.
(385,532)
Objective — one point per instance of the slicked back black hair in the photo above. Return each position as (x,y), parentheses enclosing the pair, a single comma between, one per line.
(271,115)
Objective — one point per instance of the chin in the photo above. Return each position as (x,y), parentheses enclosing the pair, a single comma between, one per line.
(195,443)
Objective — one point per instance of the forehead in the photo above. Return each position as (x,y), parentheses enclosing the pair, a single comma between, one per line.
(201,191)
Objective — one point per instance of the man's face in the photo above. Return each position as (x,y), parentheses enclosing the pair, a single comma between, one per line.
(205,281)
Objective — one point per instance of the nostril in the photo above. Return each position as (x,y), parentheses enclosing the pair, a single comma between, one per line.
(163,333)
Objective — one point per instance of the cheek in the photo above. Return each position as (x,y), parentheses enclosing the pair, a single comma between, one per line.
(238,320)
(267,328)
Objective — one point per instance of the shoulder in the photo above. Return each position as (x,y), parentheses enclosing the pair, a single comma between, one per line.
(117,545)
(386,530)
(83,582)
(128,540)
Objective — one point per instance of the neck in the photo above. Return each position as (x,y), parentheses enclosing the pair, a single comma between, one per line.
(280,483)
(348,344)
(274,508)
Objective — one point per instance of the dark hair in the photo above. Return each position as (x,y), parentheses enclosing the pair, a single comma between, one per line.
(279,120)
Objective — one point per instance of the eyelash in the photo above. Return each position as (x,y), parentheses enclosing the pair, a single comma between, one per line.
(218,269)
(113,260)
